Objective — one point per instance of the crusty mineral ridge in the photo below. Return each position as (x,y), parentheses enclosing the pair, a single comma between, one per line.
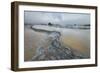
(55,50)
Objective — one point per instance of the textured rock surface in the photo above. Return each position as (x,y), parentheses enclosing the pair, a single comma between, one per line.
(55,51)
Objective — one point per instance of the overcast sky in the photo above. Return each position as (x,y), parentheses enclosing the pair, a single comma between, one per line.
(34,17)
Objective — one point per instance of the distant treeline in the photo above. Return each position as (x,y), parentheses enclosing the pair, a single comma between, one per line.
(71,26)
(74,26)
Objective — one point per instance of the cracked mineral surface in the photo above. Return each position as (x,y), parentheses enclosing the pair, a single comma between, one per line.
(55,50)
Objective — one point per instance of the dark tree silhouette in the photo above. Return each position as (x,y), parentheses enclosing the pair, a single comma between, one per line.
(50,24)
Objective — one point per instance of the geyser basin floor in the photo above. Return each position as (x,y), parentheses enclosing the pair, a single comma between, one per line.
(77,39)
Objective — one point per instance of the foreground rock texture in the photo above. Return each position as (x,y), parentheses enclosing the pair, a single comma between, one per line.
(55,50)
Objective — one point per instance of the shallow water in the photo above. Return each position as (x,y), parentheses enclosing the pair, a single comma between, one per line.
(77,39)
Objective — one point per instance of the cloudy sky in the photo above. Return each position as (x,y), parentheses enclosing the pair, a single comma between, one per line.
(35,17)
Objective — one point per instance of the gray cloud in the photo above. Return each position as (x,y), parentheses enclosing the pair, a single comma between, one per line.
(35,17)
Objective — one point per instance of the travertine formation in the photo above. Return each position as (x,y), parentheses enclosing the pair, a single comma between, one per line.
(55,50)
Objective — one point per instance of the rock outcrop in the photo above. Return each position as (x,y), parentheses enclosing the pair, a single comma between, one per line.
(55,51)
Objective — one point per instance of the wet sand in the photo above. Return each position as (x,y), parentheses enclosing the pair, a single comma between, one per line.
(77,39)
